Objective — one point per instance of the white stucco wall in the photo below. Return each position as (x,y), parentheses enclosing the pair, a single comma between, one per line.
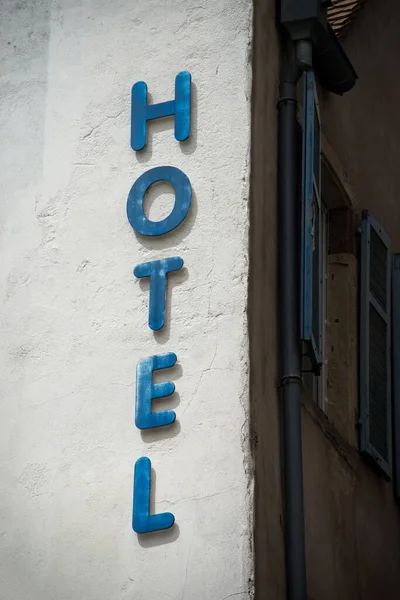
(73,319)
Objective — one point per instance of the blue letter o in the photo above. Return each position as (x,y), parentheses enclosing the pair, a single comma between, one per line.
(183,197)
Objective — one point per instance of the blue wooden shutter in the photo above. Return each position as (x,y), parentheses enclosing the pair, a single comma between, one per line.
(396,370)
(375,352)
(311,230)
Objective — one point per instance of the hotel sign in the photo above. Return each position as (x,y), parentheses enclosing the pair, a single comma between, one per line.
(157,271)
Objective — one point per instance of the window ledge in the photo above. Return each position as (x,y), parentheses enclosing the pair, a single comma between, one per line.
(348,453)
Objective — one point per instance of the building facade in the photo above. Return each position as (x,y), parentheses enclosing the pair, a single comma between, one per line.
(350,507)
(138,239)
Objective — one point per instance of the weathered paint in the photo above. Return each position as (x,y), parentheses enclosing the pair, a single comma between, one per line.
(157,271)
(143,112)
(146,391)
(135,204)
(142,520)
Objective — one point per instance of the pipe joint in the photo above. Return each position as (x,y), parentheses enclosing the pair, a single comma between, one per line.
(288,379)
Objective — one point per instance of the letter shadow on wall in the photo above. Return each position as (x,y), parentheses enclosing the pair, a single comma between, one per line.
(157,538)
(156,126)
(174,279)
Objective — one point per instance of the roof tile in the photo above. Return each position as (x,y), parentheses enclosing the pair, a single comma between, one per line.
(341,14)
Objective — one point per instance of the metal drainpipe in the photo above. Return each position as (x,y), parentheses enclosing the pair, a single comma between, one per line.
(289,330)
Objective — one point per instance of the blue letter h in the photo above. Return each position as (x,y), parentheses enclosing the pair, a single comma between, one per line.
(142,112)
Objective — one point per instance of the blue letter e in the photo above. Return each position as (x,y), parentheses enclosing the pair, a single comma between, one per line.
(146,390)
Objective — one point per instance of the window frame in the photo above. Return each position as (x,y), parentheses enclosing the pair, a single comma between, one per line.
(323,378)
(311,195)
(367,299)
(396,371)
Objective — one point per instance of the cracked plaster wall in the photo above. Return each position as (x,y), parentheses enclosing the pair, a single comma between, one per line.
(74,320)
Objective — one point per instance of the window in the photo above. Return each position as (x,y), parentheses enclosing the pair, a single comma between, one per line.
(355,333)
(396,371)
(312,230)
(375,344)
(314,249)
(322,379)
(316,386)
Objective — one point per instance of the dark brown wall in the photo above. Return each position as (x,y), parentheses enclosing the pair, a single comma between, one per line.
(269,550)
(352,519)
(363,126)
(352,523)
